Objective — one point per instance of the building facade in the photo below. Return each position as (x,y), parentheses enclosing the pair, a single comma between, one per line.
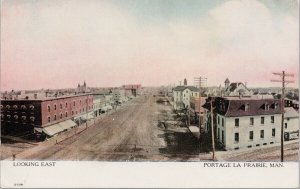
(132,90)
(42,115)
(247,123)
(182,96)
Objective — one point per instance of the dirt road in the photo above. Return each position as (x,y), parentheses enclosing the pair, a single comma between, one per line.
(132,133)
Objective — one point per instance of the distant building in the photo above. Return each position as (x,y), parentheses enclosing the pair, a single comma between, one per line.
(236,89)
(182,96)
(82,88)
(194,109)
(132,90)
(246,122)
(291,123)
(46,116)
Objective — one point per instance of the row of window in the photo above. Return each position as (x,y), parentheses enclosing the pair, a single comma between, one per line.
(251,121)
(66,115)
(251,135)
(61,106)
(266,106)
(16,117)
(23,107)
(55,118)
(262,121)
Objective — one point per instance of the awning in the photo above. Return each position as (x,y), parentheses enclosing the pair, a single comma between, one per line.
(53,129)
(67,124)
(59,127)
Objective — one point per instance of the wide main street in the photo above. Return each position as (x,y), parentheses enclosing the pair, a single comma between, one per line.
(131,133)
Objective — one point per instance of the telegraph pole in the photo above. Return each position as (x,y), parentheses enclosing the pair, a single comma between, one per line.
(212,128)
(283,82)
(200,80)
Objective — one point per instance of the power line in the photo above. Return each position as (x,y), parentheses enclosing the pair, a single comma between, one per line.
(283,81)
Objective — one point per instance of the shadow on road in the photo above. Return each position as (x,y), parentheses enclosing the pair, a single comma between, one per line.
(181,145)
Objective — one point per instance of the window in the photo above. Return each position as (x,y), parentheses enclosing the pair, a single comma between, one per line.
(60,105)
(31,107)
(72,112)
(66,114)
(54,106)
(66,104)
(74,103)
(222,121)
(23,107)
(267,107)
(250,135)
(60,116)
(272,119)
(262,120)
(273,132)
(247,107)
(32,118)
(218,136)
(262,133)
(275,105)
(80,102)
(236,137)
(23,118)
(218,120)
(55,117)
(7,106)
(15,106)
(223,137)
(49,119)
(251,120)
(48,107)
(16,117)
(285,125)
(236,122)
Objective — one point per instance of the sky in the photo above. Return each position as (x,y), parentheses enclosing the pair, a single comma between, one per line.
(60,43)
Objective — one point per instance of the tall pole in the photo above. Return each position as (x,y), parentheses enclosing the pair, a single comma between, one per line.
(86,122)
(283,82)
(199,81)
(212,129)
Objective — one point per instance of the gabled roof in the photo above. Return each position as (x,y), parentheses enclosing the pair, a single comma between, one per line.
(182,88)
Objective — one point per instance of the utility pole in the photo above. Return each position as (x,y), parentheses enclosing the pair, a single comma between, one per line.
(199,81)
(283,82)
(212,128)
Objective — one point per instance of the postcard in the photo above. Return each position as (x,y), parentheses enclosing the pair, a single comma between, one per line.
(149,93)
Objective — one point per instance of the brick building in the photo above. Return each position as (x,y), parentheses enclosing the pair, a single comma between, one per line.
(132,90)
(47,116)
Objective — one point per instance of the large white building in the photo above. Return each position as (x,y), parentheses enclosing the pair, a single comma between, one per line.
(247,122)
(182,96)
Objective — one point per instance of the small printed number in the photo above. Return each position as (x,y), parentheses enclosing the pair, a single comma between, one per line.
(18,184)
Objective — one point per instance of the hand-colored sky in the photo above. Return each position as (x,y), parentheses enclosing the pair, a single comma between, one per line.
(58,43)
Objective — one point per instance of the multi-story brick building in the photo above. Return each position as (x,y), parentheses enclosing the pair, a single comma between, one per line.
(48,115)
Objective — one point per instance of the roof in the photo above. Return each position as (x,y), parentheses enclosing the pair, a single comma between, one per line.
(136,86)
(290,112)
(233,86)
(236,108)
(182,88)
